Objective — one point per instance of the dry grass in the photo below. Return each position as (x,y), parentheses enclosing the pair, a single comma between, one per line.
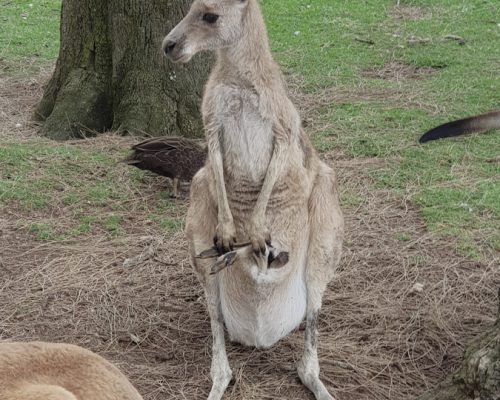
(380,337)
(18,96)
(398,71)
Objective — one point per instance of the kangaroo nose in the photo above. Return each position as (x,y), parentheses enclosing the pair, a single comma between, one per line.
(168,47)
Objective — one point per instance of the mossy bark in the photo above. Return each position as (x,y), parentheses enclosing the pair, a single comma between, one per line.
(111,73)
(479,375)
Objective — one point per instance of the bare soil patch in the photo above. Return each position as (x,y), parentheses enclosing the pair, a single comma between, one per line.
(398,71)
(394,322)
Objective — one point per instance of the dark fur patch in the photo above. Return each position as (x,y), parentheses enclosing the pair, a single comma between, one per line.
(450,129)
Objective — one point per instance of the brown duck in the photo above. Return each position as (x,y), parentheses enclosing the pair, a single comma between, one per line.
(174,157)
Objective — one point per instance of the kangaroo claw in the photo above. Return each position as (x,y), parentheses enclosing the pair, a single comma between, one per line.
(213,252)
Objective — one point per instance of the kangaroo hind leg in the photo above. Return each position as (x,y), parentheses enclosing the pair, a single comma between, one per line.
(325,245)
(200,229)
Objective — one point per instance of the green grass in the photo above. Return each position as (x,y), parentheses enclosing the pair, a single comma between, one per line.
(43,231)
(402,237)
(164,202)
(160,217)
(112,224)
(168,224)
(84,225)
(75,191)
(29,30)
(453,182)
(41,174)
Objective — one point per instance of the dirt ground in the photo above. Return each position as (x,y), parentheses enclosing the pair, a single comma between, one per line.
(394,321)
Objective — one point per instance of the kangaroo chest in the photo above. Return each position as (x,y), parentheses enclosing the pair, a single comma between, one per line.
(247,135)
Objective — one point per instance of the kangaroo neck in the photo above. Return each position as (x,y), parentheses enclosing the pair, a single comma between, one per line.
(249,58)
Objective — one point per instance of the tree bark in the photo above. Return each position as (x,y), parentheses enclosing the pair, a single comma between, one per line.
(111,73)
(479,375)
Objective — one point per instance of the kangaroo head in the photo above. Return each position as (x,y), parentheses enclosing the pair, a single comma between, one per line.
(209,25)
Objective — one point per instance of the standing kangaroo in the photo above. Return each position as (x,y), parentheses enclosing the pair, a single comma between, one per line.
(262,183)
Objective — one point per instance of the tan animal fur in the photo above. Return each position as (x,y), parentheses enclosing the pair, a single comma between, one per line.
(49,371)
(263,182)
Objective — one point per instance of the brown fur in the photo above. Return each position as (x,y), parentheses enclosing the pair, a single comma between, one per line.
(48,371)
(263,182)
(177,158)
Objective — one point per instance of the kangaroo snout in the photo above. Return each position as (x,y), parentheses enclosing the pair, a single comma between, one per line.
(174,47)
(168,46)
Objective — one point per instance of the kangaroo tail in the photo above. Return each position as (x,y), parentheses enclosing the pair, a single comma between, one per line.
(478,123)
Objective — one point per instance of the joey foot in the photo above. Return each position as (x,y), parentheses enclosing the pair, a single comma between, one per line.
(223,262)
(225,237)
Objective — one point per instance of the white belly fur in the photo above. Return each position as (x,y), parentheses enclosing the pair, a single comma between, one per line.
(267,309)
(247,136)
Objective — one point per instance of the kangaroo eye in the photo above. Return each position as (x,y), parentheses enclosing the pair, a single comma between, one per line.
(210,18)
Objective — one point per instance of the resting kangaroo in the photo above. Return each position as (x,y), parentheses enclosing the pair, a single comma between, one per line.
(262,183)
(49,371)
(477,123)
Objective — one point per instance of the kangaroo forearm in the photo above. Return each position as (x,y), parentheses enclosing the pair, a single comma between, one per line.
(224,213)
(273,171)
(215,156)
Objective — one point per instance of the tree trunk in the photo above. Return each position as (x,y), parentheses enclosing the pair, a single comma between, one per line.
(479,375)
(111,73)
